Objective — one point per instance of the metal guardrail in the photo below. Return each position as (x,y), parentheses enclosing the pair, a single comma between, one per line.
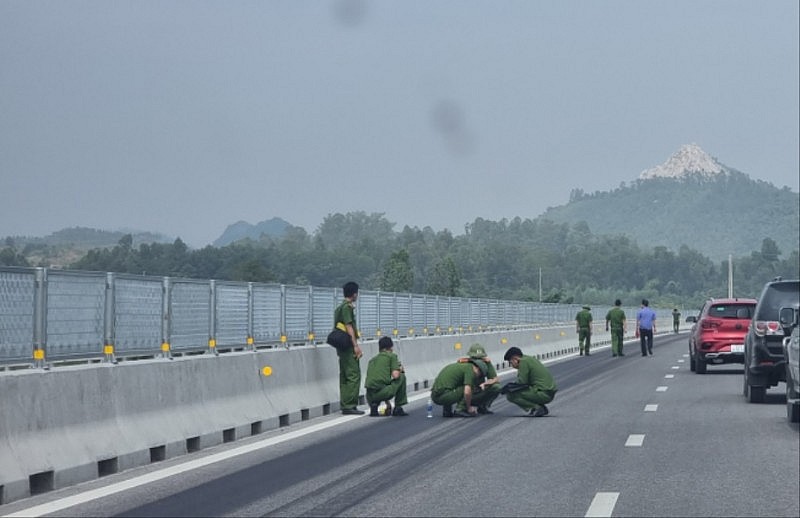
(53,315)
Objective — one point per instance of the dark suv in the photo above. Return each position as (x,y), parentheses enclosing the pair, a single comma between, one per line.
(717,335)
(764,362)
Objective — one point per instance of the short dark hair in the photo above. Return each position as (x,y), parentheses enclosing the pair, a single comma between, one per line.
(645,302)
(512,351)
(617,302)
(385,343)
(349,289)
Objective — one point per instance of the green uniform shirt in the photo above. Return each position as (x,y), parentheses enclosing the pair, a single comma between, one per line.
(346,314)
(532,372)
(584,318)
(379,370)
(676,317)
(616,318)
(455,375)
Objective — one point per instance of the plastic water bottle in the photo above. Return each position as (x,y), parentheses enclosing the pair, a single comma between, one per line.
(430,407)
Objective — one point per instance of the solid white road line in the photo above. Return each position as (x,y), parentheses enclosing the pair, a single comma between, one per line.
(602,504)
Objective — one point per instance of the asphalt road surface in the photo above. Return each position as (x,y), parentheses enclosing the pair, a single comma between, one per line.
(628,436)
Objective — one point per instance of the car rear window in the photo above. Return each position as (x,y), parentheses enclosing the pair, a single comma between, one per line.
(774,297)
(732,311)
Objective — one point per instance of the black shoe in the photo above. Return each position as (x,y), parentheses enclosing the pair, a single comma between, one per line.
(539,412)
(644,354)
(373,411)
(484,410)
(587,353)
(447,411)
(459,413)
(621,354)
(352,411)
(580,353)
(398,411)
(613,355)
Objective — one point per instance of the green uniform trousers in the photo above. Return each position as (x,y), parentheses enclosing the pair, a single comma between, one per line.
(584,335)
(349,379)
(531,397)
(396,389)
(616,341)
(481,398)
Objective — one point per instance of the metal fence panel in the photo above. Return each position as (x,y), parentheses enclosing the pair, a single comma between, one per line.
(190,311)
(138,314)
(323,304)
(75,314)
(231,313)
(16,315)
(298,313)
(267,299)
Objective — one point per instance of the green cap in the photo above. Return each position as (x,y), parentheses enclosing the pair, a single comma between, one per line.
(477,351)
(481,365)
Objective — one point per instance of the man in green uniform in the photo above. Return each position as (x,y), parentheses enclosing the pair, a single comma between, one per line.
(583,326)
(386,380)
(534,386)
(349,366)
(488,389)
(676,320)
(615,319)
(455,384)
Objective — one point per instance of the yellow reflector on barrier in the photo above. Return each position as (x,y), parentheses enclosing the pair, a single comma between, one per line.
(266,370)
(38,354)
(283,339)
(310,336)
(563,333)
(250,340)
(504,340)
(212,343)
(378,332)
(394,332)
(165,347)
(108,349)
(538,337)
(457,346)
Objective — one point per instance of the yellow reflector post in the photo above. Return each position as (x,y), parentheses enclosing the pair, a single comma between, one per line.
(310,336)
(250,340)
(266,370)
(108,349)
(212,343)
(283,339)
(165,347)
(38,354)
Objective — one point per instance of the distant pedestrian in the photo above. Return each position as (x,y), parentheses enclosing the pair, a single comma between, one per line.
(676,320)
(386,380)
(645,327)
(344,318)
(534,386)
(583,326)
(615,319)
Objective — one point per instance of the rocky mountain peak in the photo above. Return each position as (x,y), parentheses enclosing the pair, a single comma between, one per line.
(690,158)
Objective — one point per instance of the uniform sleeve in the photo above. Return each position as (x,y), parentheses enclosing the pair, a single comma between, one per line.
(394,364)
(524,374)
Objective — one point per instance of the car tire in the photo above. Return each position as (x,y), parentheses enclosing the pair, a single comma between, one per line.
(753,394)
(692,365)
(700,365)
(792,409)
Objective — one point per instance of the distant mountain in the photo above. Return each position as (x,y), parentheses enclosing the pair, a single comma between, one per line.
(87,238)
(695,200)
(274,227)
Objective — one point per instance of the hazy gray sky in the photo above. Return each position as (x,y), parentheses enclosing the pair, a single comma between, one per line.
(184,117)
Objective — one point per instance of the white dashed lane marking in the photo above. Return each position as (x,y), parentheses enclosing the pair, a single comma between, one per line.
(635,439)
(661,389)
(650,408)
(669,376)
(602,504)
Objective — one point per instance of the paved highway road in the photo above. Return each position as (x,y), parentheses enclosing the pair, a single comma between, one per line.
(627,436)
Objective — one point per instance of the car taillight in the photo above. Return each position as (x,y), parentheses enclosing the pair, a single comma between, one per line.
(767,327)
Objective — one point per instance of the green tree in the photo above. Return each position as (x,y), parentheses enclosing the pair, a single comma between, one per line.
(397,273)
(444,279)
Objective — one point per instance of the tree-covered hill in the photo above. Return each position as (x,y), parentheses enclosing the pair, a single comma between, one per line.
(715,215)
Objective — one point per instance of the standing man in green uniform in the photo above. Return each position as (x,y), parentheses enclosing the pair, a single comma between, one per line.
(349,367)
(386,380)
(676,320)
(488,389)
(535,385)
(615,318)
(455,384)
(583,326)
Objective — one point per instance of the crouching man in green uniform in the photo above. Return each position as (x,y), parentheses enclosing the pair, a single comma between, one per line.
(455,384)
(489,388)
(534,386)
(386,380)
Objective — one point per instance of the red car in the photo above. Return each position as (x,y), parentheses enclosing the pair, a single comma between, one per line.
(717,335)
